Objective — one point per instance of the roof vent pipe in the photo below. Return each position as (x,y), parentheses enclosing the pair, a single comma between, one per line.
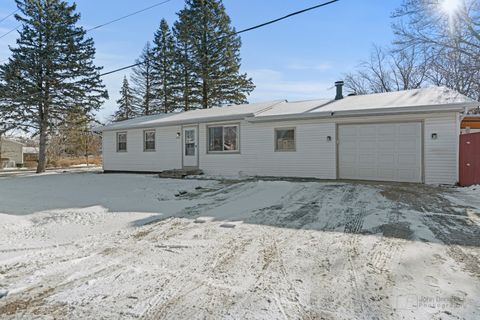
(339,85)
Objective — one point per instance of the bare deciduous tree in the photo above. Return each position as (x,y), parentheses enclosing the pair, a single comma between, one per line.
(451,37)
(389,70)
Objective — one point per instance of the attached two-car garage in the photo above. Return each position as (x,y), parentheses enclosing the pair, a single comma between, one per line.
(380,151)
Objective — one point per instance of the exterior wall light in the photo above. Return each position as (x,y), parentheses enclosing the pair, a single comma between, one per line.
(179,135)
(434,136)
(329,138)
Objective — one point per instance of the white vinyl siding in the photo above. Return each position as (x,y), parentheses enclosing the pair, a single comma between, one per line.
(12,151)
(314,156)
(168,154)
(315,145)
(441,154)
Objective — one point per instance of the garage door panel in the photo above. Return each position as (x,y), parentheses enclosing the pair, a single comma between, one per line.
(386,152)
(407,129)
(348,146)
(366,131)
(410,144)
(384,130)
(366,159)
(386,159)
(386,174)
(388,146)
(348,132)
(365,145)
(349,172)
(407,159)
(407,175)
(366,173)
(349,160)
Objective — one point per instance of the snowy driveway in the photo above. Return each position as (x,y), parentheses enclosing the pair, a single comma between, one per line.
(95,246)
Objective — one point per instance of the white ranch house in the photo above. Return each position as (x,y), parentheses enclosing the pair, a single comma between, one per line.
(407,136)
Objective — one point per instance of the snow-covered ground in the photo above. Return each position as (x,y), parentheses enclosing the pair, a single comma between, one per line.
(84,245)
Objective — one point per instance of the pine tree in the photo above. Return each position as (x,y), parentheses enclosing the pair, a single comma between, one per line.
(127,104)
(143,82)
(187,94)
(215,54)
(165,76)
(51,70)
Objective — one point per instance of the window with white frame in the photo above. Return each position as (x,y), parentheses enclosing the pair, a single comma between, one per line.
(149,140)
(285,139)
(223,138)
(121,142)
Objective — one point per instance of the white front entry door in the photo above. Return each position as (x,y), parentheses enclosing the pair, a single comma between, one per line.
(383,152)
(190,147)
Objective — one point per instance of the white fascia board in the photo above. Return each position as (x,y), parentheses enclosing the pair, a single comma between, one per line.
(367,112)
(237,117)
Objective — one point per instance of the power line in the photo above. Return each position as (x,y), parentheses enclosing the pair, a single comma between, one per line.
(96,27)
(238,32)
(11,14)
(8,32)
(285,17)
(129,15)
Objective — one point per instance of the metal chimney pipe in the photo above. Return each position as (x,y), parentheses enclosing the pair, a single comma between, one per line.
(339,85)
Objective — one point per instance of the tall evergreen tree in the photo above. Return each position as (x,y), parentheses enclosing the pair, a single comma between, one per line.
(51,70)
(164,69)
(215,54)
(127,104)
(143,81)
(188,94)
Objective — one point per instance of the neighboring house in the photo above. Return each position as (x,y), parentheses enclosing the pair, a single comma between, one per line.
(11,153)
(471,124)
(30,154)
(408,136)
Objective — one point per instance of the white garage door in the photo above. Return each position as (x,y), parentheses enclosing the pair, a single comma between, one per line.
(383,152)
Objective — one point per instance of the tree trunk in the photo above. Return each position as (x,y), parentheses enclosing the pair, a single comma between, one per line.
(42,152)
(205,95)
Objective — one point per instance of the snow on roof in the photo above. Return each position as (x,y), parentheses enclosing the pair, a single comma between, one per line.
(11,141)
(32,150)
(193,116)
(418,100)
(434,96)
(131,123)
(294,107)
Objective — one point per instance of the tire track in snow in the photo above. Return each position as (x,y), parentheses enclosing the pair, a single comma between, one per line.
(166,305)
(354,217)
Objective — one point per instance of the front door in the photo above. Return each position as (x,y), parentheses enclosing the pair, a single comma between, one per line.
(190,147)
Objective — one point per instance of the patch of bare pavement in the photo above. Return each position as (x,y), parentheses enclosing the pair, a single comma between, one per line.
(254,249)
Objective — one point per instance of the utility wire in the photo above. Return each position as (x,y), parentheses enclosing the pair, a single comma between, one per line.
(238,32)
(11,14)
(129,15)
(8,32)
(285,17)
(96,27)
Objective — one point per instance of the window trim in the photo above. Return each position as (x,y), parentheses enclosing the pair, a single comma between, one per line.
(223,125)
(145,140)
(126,141)
(275,145)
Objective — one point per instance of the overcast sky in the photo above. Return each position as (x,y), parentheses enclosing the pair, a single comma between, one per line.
(295,59)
